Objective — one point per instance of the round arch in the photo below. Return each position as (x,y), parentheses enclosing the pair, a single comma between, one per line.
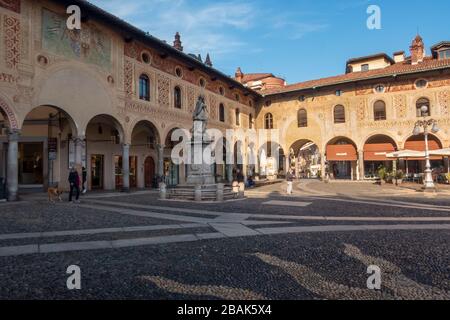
(342,157)
(111,121)
(148,127)
(8,114)
(77,90)
(60,115)
(305,158)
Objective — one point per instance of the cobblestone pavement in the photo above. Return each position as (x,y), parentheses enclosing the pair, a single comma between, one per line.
(313,245)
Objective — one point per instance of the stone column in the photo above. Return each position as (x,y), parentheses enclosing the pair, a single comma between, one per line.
(161,160)
(13,165)
(447,164)
(80,145)
(360,168)
(323,162)
(126,167)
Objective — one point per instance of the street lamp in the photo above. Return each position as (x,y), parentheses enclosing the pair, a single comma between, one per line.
(426,124)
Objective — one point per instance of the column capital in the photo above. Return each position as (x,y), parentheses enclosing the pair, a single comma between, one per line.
(161,146)
(78,138)
(126,145)
(14,134)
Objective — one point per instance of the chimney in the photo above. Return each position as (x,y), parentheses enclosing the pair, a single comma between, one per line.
(399,56)
(177,43)
(208,61)
(239,76)
(417,50)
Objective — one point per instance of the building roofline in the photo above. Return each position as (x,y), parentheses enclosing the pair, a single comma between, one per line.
(440,44)
(372,56)
(374,77)
(128,31)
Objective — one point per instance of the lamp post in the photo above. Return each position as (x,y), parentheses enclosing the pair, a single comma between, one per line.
(426,124)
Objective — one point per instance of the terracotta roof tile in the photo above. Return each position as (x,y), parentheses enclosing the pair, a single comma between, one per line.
(396,69)
(256,76)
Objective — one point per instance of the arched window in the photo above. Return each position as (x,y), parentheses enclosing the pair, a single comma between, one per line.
(423,102)
(238,117)
(250,121)
(339,114)
(177,97)
(268,121)
(144,87)
(379,111)
(222,112)
(302,118)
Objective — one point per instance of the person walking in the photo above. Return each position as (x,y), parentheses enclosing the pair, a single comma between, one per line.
(290,181)
(74,181)
(84,179)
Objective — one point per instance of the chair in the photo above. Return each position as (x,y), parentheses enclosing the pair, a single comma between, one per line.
(416,177)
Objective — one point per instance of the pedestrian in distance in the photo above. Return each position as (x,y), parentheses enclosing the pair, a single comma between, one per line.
(290,181)
(74,181)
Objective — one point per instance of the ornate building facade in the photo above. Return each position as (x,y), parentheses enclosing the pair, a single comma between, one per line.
(107,98)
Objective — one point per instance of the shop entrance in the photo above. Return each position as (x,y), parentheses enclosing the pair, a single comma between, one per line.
(97,169)
(31,167)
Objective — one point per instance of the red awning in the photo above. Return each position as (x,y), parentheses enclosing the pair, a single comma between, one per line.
(377,151)
(420,146)
(341,152)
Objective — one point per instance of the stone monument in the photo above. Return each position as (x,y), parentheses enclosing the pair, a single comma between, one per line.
(199,172)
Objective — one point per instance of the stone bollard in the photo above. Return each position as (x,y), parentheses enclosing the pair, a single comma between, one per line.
(198,193)
(219,194)
(162,191)
(241,190)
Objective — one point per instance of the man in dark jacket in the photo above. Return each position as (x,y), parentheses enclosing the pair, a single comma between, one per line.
(74,180)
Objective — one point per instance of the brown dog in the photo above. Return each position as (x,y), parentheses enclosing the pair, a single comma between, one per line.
(54,193)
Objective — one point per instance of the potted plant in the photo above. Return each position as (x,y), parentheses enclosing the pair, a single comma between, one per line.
(448,178)
(382,174)
(399,177)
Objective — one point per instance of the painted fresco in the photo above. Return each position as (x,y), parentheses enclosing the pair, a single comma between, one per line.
(88,44)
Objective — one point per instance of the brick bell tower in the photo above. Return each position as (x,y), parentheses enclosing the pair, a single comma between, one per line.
(417,50)
(177,43)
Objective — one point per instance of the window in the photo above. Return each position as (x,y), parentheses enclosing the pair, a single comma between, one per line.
(365,67)
(202,82)
(179,72)
(146,57)
(302,98)
(302,118)
(421,83)
(238,117)
(379,111)
(177,98)
(339,114)
(338,93)
(144,87)
(444,54)
(222,112)
(421,103)
(222,91)
(268,119)
(380,88)
(250,121)
(268,103)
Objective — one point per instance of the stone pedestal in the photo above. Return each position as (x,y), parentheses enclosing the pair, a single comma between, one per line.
(199,172)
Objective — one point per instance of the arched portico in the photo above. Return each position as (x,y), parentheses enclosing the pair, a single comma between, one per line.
(375,152)
(305,159)
(342,158)
(145,142)
(108,155)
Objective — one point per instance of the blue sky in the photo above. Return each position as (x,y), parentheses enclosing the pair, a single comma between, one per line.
(298,39)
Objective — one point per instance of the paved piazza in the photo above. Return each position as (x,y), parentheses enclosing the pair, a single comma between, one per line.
(316,244)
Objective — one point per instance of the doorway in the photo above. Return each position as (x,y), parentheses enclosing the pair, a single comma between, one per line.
(97,165)
(149,172)
(31,164)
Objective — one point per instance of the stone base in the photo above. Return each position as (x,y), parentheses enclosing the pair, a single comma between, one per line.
(207,192)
